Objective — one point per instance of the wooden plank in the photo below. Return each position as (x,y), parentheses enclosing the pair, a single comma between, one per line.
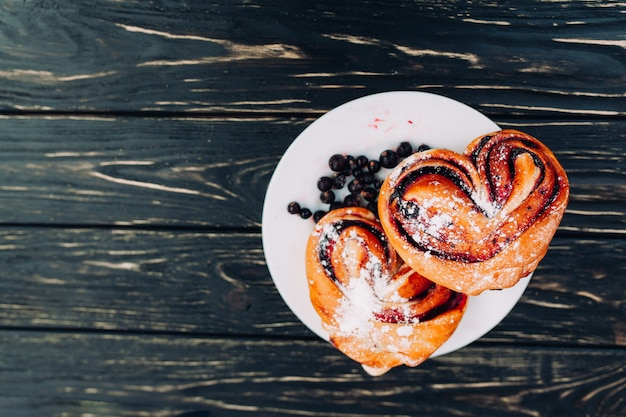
(526,58)
(139,375)
(124,279)
(128,171)
(214,172)
(168,281)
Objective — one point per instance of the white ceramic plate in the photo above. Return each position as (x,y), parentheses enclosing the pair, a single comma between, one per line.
(367,126)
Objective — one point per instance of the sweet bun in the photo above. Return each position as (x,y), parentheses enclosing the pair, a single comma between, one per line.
(377,310)
(475,221)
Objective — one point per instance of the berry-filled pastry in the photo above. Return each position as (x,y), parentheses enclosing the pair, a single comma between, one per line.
(377,310)
(479,220)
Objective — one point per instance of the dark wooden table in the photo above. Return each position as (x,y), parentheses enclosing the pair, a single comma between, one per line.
(138,139)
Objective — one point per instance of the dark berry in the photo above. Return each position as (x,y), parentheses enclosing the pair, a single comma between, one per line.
(305,213)
(378,183)
(338,163)
(367,178)
(369,194)
(405,149)
(423,147)
(357,172)
(361,161)
(339,181)
(355,186)
(293,207)
(373,166)
(388,158)
(351,161)
(324,183)
(373,207)
(317,216)
(327,197)
(351,200)
(336,205)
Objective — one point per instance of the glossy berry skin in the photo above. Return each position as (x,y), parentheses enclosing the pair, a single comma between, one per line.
(339,181)
(373,166)
(361,161)
(355,186)
(368,178)
(369,194)
(305,213)
(351,200)
(317,216)
(327,197)
(324,183)
(388,158)
(293,208)
(373,207)
(404,149)
(336,205)
(357,172)
(338,163)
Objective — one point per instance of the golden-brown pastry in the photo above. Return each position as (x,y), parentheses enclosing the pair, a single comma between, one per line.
(378,313)
(479,220)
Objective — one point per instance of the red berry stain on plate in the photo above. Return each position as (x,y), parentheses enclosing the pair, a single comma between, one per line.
(375,123)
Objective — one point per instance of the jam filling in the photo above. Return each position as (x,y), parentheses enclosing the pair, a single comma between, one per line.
(327,243)
(396,316)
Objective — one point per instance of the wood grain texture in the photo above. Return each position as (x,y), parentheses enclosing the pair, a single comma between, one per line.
(128,375)
(533,58)
(213,172)
(173,282)
(133,280)
(138,139)
(127,171)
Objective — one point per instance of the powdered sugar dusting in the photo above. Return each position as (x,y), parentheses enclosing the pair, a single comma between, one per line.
(487,206)
(368,278)
(404,331)
(366,293)
(356,308)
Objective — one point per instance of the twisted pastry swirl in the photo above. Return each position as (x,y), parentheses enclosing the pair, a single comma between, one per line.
(377,312)
(478,220)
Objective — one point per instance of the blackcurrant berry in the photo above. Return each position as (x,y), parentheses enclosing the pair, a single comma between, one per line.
(361,161)
(317,216)
(373,207)
(388,158)
(405,149)
(339,181)
(373,166)
(368,178)
(327,197)
(336,205)
(357,172)
(305,213)
(355,186)
(351,200)
(369,194)
(324,183)
(338,163)
(293,207)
